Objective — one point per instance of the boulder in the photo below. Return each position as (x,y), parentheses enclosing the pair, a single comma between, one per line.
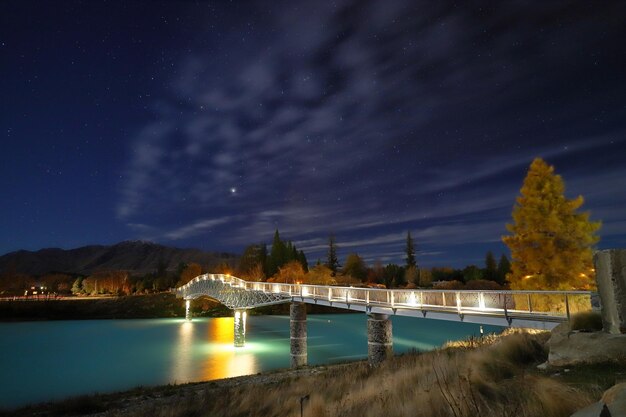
(615,399)
(612,404)
(575,347)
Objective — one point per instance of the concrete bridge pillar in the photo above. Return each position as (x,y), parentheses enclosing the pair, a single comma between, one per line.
(240,328)
(379,338)
(610,268)
(188,310)
(297,330)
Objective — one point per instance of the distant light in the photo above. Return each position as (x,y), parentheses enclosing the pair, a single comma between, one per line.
(233,190)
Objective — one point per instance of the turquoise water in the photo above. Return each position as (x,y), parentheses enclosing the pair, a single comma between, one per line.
(43,361)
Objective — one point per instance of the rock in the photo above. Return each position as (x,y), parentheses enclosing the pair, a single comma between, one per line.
(572,348)
(612,404)
(542,366)
(594,410)
(615,399)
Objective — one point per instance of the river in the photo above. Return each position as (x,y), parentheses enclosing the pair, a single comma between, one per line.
(44,361)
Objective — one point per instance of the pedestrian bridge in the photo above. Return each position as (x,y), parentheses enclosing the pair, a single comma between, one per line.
(531,309)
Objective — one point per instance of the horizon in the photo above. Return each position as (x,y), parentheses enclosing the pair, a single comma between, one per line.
(208,126)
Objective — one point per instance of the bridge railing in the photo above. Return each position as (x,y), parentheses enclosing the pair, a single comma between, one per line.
(536,304)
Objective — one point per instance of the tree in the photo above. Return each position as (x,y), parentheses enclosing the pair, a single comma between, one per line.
(472,272)
(550,242)
(504,267)
(290,273)
(355,267)
(375,273)
(332,261)
(394,276)
(77,288)
(425,278)
(278,255)
(412,275)
(410,251)
(190,272)
(491,268)
(302,259)
(320,274)
(255,273)
(252,256)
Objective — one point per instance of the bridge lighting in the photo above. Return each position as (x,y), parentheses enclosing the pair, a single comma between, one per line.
(305,291)
(481,301)
(276,288)
(458,301)
(412,300)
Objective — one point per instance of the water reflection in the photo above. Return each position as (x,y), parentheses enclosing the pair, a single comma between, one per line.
(221,358)
(183,358)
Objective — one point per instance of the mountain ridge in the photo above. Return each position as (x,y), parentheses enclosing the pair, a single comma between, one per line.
(137,256)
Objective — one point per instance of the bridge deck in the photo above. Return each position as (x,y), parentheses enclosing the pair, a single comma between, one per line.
(535,309)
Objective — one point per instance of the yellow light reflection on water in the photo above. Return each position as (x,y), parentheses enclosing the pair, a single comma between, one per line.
(183,358)
(222,359)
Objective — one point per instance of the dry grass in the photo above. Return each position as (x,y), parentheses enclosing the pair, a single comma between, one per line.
(486,377)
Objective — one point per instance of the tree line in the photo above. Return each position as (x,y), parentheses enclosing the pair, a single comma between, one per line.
(285,263)
(551,246)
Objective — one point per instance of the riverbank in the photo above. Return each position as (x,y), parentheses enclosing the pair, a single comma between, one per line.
(492,376)
(149,306)
(161,305)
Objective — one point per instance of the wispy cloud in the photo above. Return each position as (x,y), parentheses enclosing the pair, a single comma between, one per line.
(368,121)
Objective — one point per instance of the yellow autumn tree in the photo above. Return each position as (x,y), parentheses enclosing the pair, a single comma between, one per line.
(550,242)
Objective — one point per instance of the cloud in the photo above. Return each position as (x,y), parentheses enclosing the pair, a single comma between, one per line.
(195,228)
(368,121)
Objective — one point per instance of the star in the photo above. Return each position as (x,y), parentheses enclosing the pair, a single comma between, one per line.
(233,190)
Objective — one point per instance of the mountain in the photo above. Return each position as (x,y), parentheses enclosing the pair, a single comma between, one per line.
(140,257)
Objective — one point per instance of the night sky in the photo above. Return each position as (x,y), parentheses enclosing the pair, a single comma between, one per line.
(210,124)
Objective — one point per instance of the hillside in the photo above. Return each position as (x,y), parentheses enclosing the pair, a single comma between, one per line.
(140,257)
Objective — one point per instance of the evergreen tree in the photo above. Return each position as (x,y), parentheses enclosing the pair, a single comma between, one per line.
(393,276)
(263,259)
(332,261)
(491,268)
(278,254)
(550,242)
(294,253)
(410,251)
(303,261)
(504,267)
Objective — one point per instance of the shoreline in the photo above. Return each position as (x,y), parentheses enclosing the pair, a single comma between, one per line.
(134,399)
